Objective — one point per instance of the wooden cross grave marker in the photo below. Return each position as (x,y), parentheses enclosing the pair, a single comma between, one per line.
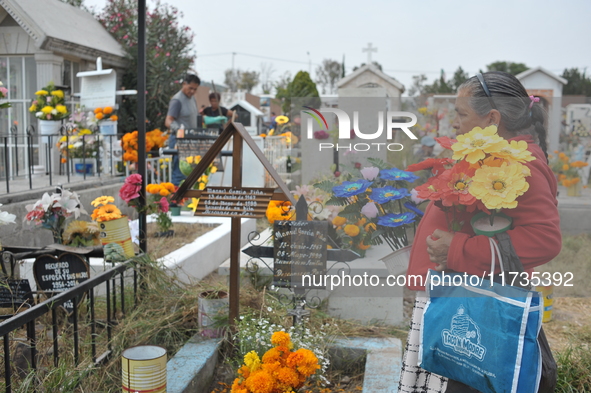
(236,201)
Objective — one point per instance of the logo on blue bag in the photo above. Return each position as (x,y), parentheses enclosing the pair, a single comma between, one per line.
(464,336)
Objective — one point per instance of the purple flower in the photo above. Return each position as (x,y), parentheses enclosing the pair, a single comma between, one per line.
(321,134)
(370,173)
(370,210)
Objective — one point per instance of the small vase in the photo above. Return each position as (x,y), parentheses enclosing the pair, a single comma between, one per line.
(397,261)
(116,239)
(49,127)
(175,211)
(81,167)
(574,190)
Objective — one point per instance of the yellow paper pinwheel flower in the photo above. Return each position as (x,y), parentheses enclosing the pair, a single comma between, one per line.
(499,187)
(514,151)
(194,203)
(475,144)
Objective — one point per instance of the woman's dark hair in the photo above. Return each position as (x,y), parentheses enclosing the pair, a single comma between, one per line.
(512,101)
(215,95)
(192,78)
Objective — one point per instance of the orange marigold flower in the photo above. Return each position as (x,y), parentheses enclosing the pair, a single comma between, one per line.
(352,230)
(281,339)
(338,221)
(370,227)
(271,356)
(261,382)
(98,110)
(363,246)
(114,118)
(288,376)
(100,116)
(107,110)
(164,192)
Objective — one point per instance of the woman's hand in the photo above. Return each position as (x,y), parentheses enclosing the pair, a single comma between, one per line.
(437,246)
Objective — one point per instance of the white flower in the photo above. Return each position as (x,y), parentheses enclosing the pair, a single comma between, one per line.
(54,112)
(5,217)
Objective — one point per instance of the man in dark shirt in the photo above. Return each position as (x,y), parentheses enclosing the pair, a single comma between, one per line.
(215,110)
(182,111)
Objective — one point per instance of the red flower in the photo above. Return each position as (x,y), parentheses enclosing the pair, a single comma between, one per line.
(446,142)
(135,179)
(458,181)
(437,165)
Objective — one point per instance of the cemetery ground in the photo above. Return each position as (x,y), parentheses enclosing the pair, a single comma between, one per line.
(167,311)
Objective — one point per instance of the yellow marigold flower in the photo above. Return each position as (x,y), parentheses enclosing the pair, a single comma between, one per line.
(514,151)
(85,131)
(197,159)
(33,108)
(189,159)
(565,167)
(61,109)
(474,145)
(41,93)
(63,139)
(281,339)
(252,361)
(338,221)
(423,110)
(202,186)
(46,109)
(213,169)
(499,187)
(70,146)
(204,178)
(57,93)
(102,200)
(352,230)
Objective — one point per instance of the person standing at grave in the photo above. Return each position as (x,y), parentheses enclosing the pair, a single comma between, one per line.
(494,99)
(214,113)
(182,113)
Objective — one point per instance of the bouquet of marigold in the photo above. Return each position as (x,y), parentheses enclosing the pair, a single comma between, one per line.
(280,211)
(486,173)
(567,172)
(281,369)
(51,211)
(49,104)
(154,140)
(106,113)
(376,208)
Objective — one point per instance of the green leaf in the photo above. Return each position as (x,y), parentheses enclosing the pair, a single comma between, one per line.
(379,163)
(325,186)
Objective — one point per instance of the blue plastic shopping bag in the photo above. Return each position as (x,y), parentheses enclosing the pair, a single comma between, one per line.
(481,335)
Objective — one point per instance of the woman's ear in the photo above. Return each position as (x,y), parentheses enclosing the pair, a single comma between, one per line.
(494,117)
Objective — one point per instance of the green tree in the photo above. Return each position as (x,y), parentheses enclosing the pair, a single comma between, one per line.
(578,82)
(507,66)
(248,80)
(168,53)
(328,74)
(460,76)
(301,86)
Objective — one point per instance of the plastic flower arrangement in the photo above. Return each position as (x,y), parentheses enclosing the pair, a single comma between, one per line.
(188,164)
(105,210)
(6,218)
(49,104)
(154,140)
(4,96)
(81,234)
(51,211)
(486,173)
(280,369)
(567,172)
(377,207)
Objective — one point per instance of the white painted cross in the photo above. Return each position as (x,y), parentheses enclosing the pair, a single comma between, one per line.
(369,49)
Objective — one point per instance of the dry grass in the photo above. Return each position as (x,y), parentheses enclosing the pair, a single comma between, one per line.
(183,234)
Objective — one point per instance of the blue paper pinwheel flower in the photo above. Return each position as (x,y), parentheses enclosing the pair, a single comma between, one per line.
(351,188)
(397,174)
(388,193)
(396,220)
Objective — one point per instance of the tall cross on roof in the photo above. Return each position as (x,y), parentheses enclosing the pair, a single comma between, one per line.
(369,49)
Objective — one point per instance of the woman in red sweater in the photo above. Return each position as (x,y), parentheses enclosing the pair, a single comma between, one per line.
(495,98)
